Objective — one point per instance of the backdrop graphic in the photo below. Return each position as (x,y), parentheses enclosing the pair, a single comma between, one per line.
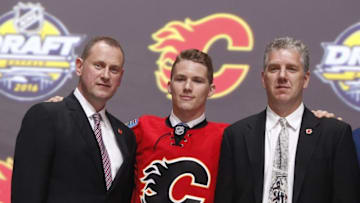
(39,41)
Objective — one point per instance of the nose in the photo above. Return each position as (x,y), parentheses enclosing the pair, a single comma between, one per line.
(282,75)
(187,86)
(105,75)
(282,72)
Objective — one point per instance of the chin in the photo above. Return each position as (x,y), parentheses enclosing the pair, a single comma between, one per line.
(186,107)
(282,96)
(103,96)
(282,100)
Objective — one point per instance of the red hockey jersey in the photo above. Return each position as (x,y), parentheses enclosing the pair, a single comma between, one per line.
(170,172)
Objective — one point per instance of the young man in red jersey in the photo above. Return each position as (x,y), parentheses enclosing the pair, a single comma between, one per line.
(177,156)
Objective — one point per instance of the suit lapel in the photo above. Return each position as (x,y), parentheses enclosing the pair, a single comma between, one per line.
(307,142)
(81,121)
(255,139)
(121,141)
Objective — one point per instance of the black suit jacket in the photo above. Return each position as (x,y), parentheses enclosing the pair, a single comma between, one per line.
(57,158)
(326,169)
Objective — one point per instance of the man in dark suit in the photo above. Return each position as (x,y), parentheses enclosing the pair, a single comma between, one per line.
(285,154)
(59,158)
(356,137)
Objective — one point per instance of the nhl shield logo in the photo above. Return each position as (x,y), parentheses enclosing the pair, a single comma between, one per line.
(29,17)
(179,130)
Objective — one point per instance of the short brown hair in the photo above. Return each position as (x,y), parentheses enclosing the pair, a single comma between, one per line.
(108,40)
(196,56)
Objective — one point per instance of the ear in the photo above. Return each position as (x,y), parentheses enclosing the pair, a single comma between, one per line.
(212,90)
(263,79)
(120,77)
(306,79)
(169,87)
(79,66)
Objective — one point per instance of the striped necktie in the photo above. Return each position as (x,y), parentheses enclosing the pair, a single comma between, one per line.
(104,153)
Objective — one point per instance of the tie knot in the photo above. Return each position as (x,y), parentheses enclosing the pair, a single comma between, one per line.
(282,122)
(96,117)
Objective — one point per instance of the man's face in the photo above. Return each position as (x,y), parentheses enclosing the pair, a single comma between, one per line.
(284,78)
(189,88)
(100,73)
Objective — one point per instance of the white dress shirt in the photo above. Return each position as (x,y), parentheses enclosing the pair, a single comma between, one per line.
(174,120)
(107,132)
(272,131)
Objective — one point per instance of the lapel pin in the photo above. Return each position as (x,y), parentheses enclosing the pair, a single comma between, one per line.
(120,131)
(308,131)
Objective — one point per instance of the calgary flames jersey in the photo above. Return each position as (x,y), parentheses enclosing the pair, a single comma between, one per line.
(169,170)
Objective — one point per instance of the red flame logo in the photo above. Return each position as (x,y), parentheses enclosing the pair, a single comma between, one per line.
(5,180)
(202,34)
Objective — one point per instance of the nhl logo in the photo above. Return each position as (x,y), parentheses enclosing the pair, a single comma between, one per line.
(36,51)
(28,17)
(180,130)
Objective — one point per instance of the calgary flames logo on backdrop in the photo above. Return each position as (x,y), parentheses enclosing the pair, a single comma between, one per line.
(5,180)
(340,66)
(202,34)
(36,53)
(178,180)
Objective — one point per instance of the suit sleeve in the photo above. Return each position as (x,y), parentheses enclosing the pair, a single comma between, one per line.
(346,173)
(137,130)
(33,157)
(225,184)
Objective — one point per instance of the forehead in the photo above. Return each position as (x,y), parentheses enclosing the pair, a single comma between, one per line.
(190,68)
(104,52)
(291,56)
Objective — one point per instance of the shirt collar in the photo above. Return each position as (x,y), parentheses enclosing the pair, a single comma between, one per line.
(293,119)
(87,107)
(174,120)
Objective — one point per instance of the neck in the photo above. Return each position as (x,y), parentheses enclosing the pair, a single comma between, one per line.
(284,110)
(187,116)
(98,105)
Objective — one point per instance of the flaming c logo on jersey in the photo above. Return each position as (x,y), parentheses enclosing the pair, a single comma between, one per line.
(36,53)
(176,36)
(169,181)
(340,66)
(5,180)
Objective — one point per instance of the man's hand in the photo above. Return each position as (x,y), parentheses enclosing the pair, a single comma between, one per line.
(324,114)
(55,99)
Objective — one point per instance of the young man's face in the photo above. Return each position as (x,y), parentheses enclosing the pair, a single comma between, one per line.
(284,78)
(100,73)
(189,88)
